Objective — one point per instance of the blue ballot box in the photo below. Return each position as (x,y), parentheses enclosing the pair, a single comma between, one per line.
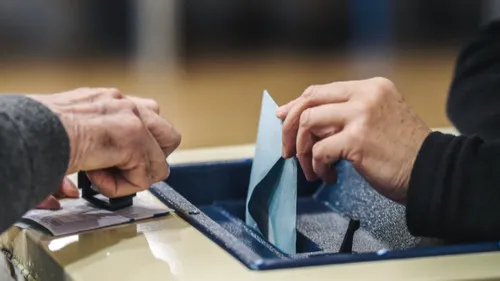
(346,222)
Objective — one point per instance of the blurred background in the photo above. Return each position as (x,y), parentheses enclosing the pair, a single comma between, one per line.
(207,62)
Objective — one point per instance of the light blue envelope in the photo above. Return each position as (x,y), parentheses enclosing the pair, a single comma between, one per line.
(271,205)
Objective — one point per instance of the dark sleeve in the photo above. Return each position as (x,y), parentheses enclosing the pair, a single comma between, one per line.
(454,191)
(473,104)
(34,154)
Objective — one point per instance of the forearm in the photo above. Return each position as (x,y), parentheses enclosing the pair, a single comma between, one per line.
(34,154)
(454,190)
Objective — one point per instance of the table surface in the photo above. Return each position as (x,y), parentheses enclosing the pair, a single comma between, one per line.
(168,248)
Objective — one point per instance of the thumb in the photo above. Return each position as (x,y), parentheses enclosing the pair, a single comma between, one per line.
(50,203)
(67,189)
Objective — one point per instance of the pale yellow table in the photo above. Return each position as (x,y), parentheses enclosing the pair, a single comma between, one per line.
(170,249)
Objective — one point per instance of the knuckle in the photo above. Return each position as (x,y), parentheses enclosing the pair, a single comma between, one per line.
(311,96)
(101,108)
(379,91)
(304,121)
(128,105)
(382,86)
(114,93)
(320,154)
(354,133)
(383,82)
(355,136)
(153,105)
(309,91)
(366,107)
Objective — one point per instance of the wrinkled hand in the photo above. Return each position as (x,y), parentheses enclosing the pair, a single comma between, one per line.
(364,122)
(122,142)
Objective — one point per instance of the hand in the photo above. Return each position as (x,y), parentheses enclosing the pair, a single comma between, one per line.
(122,142)
(365,122)
(66,190)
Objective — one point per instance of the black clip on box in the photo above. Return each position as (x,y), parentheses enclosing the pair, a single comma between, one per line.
(89,194)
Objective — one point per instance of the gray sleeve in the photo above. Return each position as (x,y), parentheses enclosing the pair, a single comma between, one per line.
(34,156)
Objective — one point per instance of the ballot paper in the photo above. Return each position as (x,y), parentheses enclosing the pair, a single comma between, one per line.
(77,215)
(272,192)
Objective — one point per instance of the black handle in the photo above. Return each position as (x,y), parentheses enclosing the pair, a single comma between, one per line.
(346,246)
(89,194)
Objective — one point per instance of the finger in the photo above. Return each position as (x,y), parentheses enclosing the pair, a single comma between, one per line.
(326,172)
(102,94)
(313,96)
(326,153)
(163,132)
(159,169)
(326,119)
(152,168)
(67,189)
(147,103)
(317,123)
(50,203)
(282,111)
(115,183)
(305,158)
(305,142)
(135,176)
(88,95)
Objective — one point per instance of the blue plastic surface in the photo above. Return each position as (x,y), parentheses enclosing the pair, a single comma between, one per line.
(211,197)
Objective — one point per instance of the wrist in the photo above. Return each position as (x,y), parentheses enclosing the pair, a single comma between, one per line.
(420,135)
(71,130)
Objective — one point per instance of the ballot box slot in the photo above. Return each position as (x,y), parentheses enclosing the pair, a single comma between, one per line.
(233,213)
(238,229)
(335,224)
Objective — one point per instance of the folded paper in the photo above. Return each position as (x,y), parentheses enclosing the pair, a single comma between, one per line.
(272,192)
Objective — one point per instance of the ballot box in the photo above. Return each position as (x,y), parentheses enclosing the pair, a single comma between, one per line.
(343,223)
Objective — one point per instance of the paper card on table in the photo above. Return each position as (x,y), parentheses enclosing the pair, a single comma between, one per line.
(272,192)
(77,215)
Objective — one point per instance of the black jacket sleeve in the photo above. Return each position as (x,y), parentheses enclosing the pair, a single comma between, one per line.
(454,191)
(34,155)
(473,104)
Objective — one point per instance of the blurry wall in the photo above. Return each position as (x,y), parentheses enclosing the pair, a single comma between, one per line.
(207,62)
